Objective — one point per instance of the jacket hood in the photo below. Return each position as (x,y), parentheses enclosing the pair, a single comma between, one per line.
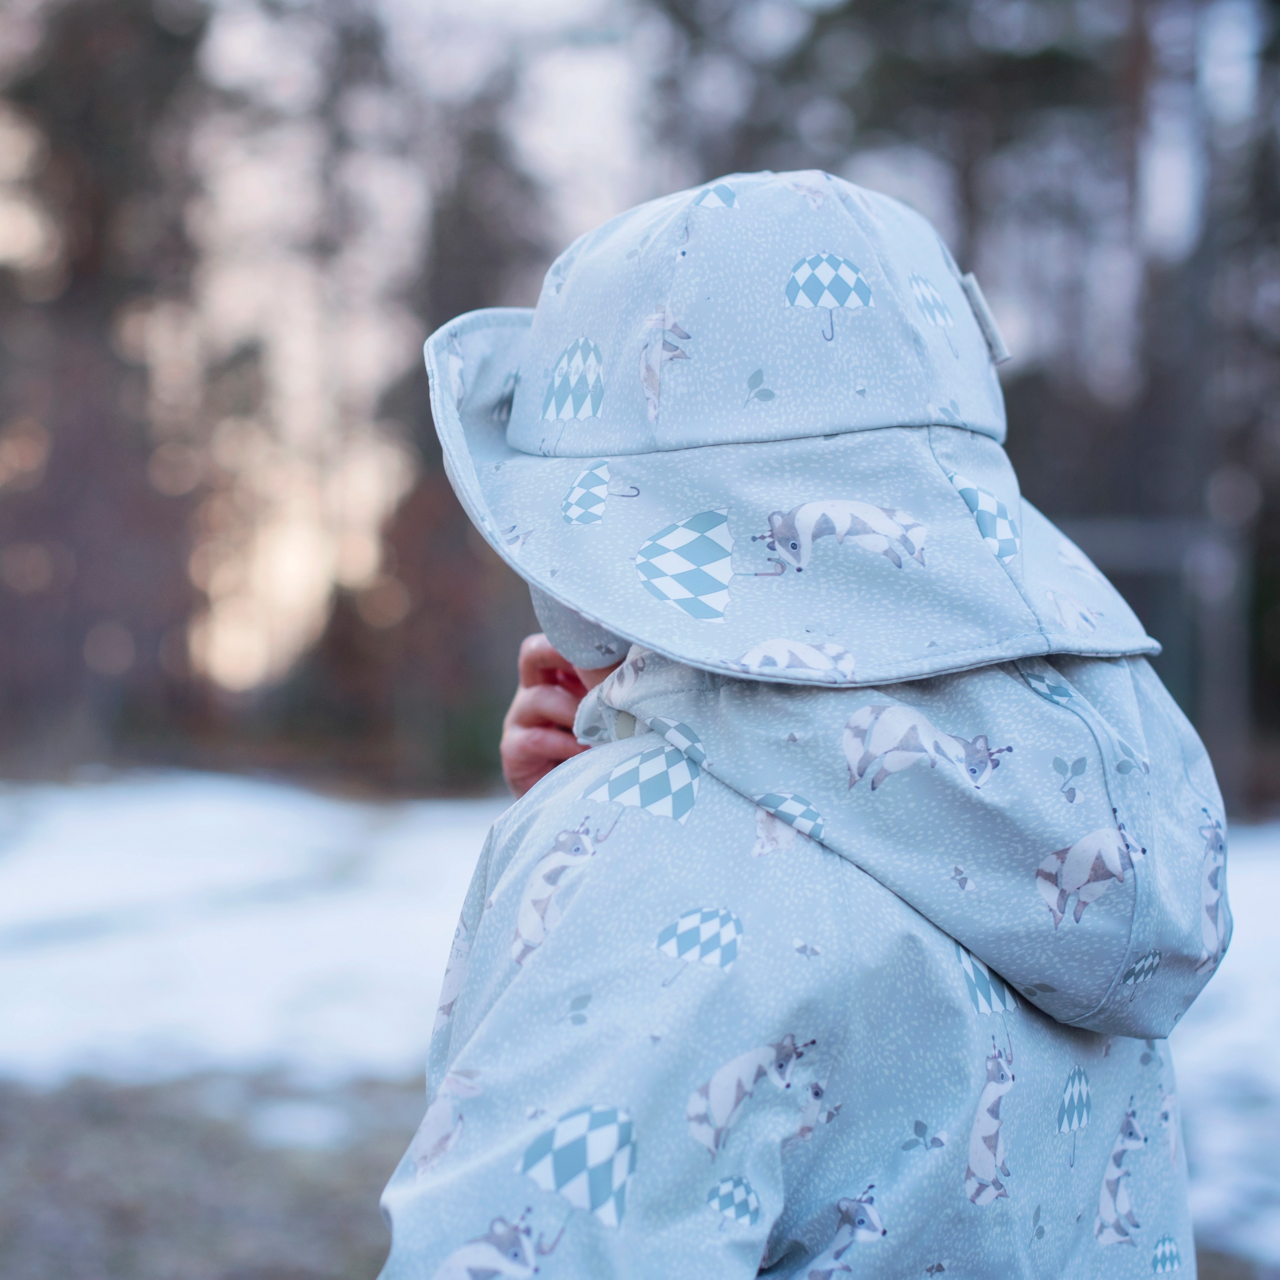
(1061,823)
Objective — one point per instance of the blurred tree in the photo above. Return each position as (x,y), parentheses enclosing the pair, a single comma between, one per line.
(92,552)
(410,678)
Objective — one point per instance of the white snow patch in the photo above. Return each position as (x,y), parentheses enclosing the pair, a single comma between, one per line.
(155,926)
(1226,1053)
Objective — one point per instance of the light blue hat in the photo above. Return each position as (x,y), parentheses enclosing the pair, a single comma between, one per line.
(756,427)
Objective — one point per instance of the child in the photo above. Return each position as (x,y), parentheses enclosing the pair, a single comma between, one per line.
(852,943)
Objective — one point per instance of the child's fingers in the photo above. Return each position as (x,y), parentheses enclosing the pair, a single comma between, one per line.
(541,664)
(540,706)
(528,755)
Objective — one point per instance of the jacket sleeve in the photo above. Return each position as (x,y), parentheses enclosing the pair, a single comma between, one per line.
(597,1095)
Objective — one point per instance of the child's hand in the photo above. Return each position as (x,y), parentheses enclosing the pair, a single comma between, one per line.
(537,732)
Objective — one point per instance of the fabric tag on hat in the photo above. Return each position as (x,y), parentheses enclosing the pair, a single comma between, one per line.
(986,321)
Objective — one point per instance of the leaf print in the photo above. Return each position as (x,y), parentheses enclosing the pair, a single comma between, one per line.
(1037,1227)
(1068,774)
(576,1007)
(756,390)
(923,1140)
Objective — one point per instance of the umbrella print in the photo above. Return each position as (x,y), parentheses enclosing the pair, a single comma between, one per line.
(706,935)
(830,282)
(1143,969)
(661,780)
(736,1199)
(998,528)
(794,810)
(1166,1256)
(934,308)
(576,389)
(584,504)
(719,196)
(688,565)
(588,1157)
(988,991)
(1075,1107)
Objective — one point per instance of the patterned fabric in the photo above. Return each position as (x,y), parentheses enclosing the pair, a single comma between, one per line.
(860,1018)
(998,528)
(688,565)
(794,810)
(1047,687)
(1073,1110)
(1166,1256)
(988,991)
(931,302)
(828,662)
(721,340)
(736,1199)
(576,389)
(742,1030)
(719,196)
(709,935)
(826,280)
(584,503)
(679,735)
(1142,969)
(662,781)
(588,1157)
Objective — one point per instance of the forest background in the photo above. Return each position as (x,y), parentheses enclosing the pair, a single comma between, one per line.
(226,537)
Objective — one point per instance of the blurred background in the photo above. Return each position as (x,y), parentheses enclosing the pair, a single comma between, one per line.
(251,651)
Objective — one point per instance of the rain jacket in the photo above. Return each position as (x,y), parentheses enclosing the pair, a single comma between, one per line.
(807,981)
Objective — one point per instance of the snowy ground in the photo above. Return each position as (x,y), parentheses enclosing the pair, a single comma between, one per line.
(160,927)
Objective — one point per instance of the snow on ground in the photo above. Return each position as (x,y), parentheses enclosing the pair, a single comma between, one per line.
(159,925)
(155,926)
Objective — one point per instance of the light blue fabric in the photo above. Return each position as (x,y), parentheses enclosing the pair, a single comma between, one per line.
(852,944)
(679,450)
(847,980)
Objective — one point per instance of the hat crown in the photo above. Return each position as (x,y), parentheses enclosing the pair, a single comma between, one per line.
(758,307)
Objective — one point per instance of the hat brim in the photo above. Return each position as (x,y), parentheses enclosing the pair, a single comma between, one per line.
(862,558)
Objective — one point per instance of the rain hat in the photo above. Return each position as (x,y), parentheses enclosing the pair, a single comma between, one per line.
(756,427)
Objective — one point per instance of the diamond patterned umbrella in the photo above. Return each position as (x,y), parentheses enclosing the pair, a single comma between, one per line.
(794,810)
(584,503)
(997,526)
(933,307)
(736,1199)
(688,565)
(1166,1256)
(709,935)
(1143,969)
(662,780)
(828,281)
(988,991)
(588,1157)
(576,389)
(721,196)
(1075,1107)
